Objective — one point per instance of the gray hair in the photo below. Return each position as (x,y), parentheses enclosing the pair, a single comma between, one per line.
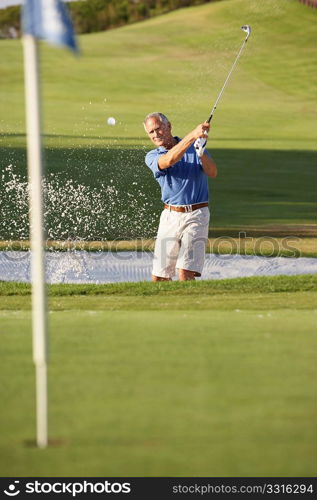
(159,116)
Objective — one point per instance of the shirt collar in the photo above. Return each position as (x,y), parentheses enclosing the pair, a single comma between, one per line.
(162,149)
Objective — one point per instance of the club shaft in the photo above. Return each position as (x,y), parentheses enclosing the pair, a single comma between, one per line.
(227,79)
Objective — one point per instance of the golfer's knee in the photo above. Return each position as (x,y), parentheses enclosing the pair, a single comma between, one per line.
(185,275)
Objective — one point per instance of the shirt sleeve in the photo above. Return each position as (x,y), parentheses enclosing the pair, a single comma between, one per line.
(151,161)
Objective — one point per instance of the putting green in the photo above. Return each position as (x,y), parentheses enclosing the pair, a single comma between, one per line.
(191,393)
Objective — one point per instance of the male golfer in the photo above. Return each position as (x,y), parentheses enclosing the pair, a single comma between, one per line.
(183,177)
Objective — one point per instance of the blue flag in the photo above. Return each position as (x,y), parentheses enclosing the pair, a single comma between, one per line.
(50,21)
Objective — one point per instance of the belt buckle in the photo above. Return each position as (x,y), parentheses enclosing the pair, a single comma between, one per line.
(188,208)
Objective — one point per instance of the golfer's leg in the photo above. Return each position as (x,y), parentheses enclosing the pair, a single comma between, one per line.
(166,247)
(191,257)
(185,275)
(159,278)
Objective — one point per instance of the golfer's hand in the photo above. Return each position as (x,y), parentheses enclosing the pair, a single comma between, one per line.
(200,145)
(201,130)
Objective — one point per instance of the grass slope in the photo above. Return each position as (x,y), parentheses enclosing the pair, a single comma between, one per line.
(258,284)
(264,136)
(279,292)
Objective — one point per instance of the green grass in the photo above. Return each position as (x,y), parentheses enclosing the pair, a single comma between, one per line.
(143,393)
(263,137)
(256,284)
(165,379)
(169,379)
(261,293)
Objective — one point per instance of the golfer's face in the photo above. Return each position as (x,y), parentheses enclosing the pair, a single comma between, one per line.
(158,132)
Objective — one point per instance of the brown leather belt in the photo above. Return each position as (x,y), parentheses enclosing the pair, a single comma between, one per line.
(186,208)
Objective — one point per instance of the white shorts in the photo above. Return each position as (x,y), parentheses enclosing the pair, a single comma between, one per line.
(181,242)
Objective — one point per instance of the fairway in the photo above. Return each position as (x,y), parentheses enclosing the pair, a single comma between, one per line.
(179,379)
(263,134)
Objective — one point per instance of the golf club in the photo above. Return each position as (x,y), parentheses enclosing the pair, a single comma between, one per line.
(201,142)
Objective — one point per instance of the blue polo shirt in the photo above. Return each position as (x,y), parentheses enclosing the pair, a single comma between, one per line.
(185,182)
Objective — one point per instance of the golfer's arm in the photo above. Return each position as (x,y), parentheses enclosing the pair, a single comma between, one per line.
(177,152)
(209,166)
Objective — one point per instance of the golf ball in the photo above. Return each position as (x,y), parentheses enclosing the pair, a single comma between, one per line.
(111,121)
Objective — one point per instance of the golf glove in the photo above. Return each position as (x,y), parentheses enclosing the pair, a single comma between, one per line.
(200,145)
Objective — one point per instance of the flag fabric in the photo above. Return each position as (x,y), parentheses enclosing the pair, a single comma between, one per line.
(49,20)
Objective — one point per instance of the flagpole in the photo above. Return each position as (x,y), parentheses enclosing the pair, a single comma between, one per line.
(35,172)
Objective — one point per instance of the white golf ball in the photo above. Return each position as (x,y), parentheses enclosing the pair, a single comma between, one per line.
(111,121)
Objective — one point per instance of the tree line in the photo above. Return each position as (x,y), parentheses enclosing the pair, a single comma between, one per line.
(99,15)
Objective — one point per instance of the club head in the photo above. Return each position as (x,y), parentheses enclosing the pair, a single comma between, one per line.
(247,29)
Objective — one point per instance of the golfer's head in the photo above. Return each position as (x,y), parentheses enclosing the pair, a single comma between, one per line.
(158,129)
